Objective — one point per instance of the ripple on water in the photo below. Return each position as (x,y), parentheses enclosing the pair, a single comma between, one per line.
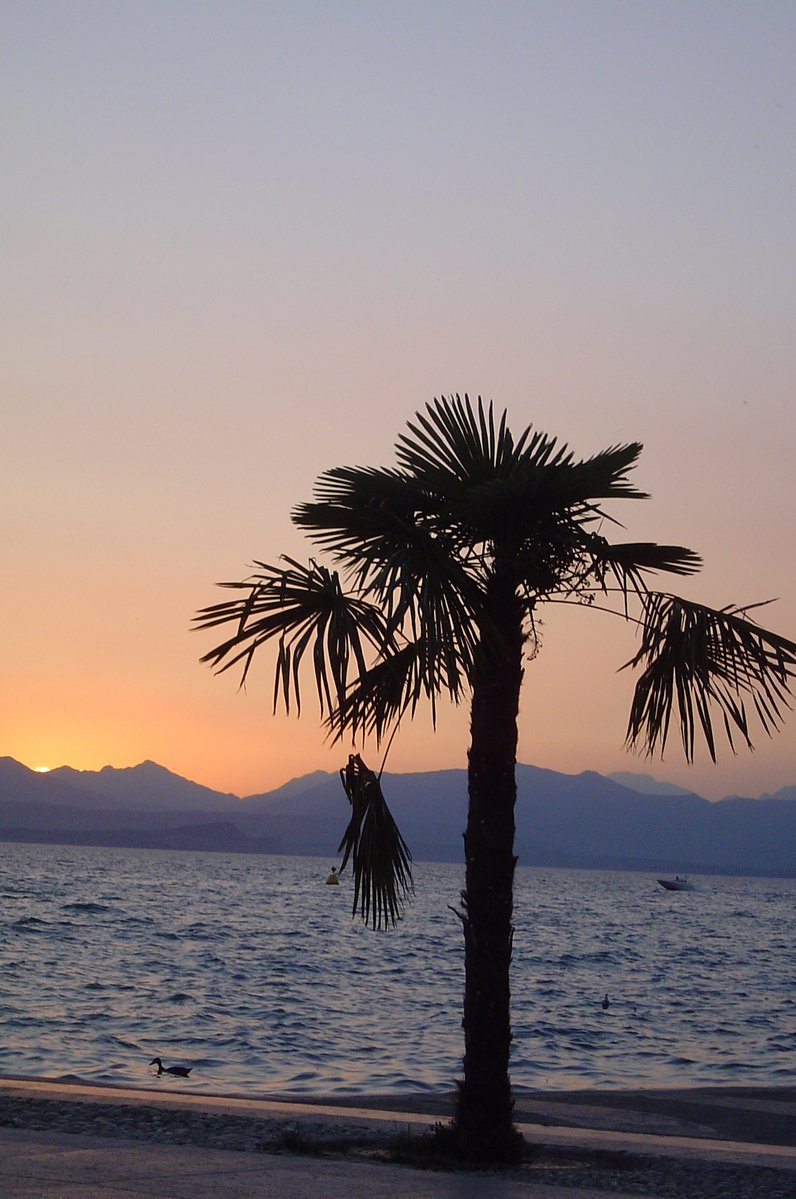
(84,907)
(288,994)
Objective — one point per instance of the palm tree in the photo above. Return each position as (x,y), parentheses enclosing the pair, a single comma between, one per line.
(440,566)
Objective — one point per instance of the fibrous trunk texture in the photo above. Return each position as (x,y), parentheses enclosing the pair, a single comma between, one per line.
(484,1125)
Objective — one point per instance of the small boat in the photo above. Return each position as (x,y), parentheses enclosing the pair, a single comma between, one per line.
(678,883)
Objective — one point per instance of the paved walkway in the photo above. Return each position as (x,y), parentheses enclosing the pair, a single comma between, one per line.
(60,1165)
(49,1166)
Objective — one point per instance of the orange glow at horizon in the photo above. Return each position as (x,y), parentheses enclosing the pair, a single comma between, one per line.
(587,222)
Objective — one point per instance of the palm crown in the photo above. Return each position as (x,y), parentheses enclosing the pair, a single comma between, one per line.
(404,615)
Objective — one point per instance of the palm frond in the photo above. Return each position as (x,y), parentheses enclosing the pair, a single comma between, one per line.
(379,697)
(380,859)
(628,562)
(403,554)
(451,443)
(301,607)
(604,476)
(638,556)
(697,660)
(529,497)
(358,513)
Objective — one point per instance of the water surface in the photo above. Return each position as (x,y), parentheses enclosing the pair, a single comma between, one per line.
(251,969)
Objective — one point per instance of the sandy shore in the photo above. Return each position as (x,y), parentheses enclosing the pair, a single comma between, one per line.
(732,1141)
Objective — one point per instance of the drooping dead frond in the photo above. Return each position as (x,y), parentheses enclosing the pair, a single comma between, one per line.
(380,858)
(696,660)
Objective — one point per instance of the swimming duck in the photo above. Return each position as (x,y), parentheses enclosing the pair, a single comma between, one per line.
(179,1071)
(606,1003)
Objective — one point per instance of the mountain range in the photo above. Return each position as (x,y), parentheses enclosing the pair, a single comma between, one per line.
(626,821)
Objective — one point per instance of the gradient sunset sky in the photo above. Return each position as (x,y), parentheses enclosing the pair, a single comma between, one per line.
(244,242)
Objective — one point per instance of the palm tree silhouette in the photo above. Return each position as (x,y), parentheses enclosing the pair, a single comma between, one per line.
(439,568)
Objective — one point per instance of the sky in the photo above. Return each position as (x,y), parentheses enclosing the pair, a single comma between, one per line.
(245,242)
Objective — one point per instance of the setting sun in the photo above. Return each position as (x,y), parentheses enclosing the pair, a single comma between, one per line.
(42,769)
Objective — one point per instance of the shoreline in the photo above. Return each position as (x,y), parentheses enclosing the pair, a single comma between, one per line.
(689,1142)
(759,1114)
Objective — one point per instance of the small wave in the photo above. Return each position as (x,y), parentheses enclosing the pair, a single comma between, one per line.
(121,1043)
(113,1068)
(782,1043)
(84,907)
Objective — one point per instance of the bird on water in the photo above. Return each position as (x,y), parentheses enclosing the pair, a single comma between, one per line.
(606,1003)
(178,1071)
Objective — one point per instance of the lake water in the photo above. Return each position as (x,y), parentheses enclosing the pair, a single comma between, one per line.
(251,969)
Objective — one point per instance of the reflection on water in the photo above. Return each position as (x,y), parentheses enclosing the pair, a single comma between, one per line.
(251,969)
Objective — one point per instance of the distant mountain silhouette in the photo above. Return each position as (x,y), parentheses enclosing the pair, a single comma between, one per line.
(646,784)
(584,820)
(145,787)
(787,793)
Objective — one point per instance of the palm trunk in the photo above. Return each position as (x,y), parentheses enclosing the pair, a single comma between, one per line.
(484,1114)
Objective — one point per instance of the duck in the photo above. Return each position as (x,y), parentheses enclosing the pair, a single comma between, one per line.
(178,1071)
(606,1002)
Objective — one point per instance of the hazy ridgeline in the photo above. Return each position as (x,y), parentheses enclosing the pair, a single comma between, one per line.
(585,821)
